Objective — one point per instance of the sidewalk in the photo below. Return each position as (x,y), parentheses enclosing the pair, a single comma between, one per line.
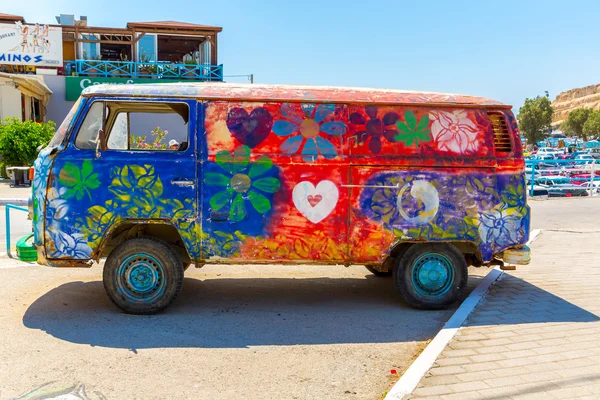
(13,195)
(536,334)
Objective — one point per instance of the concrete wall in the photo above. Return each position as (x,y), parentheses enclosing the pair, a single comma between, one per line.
(10,102)
(57,108)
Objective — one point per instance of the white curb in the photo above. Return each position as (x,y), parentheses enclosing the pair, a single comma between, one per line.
(413,375)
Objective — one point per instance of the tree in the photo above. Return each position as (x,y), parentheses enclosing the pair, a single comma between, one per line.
(592,125)
(535,118)
(19,140)
(574,123)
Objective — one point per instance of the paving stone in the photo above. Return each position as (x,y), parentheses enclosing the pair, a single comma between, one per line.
(454,369)
(445,362)
(536,333)
(474,376)
(431,391)
(468,386)
(505,381)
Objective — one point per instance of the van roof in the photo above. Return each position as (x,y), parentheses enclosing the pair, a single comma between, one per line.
(288,93)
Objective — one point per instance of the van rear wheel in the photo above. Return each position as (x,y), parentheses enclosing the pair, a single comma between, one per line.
(431,276)
(143,276)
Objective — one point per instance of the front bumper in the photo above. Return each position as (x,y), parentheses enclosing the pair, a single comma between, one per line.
(517,256)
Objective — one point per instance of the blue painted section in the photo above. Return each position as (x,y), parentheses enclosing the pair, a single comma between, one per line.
(149,69)
(489,210)
(432,275)
(88,196)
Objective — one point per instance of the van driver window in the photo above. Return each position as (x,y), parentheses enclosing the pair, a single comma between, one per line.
(88,132)
(159,129)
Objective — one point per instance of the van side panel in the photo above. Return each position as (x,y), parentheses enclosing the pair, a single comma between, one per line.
(443,180)
(329,183)
(274,184)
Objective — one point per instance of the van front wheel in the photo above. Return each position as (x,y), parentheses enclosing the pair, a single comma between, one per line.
(431,276)
(143,276)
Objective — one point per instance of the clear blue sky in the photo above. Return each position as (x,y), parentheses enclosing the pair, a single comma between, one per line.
(506,50)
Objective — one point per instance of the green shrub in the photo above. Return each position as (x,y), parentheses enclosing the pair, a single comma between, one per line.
(19,141)
(3,172)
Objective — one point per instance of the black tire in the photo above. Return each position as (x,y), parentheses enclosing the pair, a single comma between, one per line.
(375,272)
(143,276)
(431,276)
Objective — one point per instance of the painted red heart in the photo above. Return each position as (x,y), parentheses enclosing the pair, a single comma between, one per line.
(251,129)
(314,200)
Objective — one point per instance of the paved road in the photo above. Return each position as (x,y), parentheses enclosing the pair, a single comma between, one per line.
(264,332)
(535,335)
(256,332)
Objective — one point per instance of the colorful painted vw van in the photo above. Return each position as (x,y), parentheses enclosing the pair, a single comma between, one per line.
(156,178)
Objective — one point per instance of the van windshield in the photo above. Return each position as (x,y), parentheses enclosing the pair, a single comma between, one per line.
(62,130)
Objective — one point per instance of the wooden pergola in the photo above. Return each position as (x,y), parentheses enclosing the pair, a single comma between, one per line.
(136,30)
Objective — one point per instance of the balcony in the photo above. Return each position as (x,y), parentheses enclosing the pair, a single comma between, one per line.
(150,69)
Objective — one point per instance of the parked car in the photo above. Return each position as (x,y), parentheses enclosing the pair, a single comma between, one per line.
(560,186)
(538,191)
(595,186)
(549,151)
(585,157)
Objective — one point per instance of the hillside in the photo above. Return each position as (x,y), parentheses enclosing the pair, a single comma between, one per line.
(586,97)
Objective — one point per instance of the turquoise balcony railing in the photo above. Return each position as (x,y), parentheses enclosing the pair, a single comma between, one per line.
(152,69)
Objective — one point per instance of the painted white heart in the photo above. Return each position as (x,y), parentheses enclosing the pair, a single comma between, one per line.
(315,203)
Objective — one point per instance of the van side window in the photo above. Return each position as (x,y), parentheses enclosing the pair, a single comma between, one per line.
(148,126)
(88,132)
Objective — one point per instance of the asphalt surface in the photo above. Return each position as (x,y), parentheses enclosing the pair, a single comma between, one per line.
(252,332)
(268,332)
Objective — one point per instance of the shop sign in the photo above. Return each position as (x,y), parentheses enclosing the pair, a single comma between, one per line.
(76,84)
(25,44)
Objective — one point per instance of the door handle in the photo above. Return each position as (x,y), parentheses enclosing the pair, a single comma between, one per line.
(183,183)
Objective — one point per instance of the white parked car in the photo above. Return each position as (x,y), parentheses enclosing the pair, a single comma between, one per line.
(595,186)
(549,151)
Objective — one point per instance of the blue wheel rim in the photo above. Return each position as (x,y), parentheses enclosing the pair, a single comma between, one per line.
(432,275)
(141,278)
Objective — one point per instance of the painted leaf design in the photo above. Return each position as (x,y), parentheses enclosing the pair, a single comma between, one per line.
(215,178)
(237,212)
(236,162)
(260,166)
(79,182)
(221,199)
(411,132)
(411,120)
(269,185)
(259,202)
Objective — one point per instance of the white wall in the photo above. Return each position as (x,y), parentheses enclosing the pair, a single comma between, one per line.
(10,101)
(57,107)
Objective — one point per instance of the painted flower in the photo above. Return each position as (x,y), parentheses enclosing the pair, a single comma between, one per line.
(454,132)
(500,226)
(69,245)
(56,206)
(242,182)
(375,128)
(41,168)
(307,130)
